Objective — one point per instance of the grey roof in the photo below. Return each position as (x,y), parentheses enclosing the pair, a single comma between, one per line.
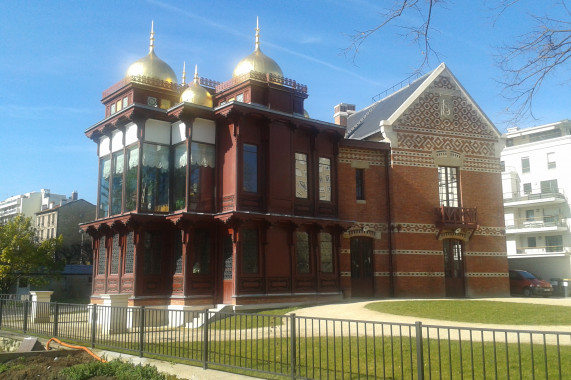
(366,121)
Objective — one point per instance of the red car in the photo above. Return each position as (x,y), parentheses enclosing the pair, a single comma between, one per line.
(527,284)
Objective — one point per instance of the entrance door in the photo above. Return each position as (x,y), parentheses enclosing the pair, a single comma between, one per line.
(361,267)
(454,268)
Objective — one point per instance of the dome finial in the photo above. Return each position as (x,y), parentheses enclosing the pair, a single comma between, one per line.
(152,43)
(196,80)
(184,73)
(257,33)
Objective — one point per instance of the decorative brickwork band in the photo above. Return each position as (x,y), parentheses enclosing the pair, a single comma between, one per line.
(498,254)
(380,252)
(345,274)
(486,275)
(417,252)
(426,160)
(490,231)
(382,274)
(347,156)
(432,142)
(419,274)
(344,251)
(415,228)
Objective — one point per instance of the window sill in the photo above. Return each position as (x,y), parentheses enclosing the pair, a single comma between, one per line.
(361,201)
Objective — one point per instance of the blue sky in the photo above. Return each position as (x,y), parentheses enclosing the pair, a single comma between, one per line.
(59,56)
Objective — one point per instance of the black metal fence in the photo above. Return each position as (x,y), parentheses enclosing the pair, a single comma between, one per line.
(300,347)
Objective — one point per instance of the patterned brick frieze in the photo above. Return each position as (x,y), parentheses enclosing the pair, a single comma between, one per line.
(419,274)
(431,142)
(382,274)
(483,254)
(417,252)
(344,251)
(426,160)
(374,158)
(345,274)
(372,230)
(417,228)
(482,165)
(380,252)
(478,274)
(490,231)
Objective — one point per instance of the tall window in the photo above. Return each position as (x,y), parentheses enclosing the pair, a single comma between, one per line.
(554,243)
(202,164)
(326,252)
(551,164)
(302,252)
(152,245)
(201,250)
(130,253)
(179,176)
(155,178)
(178,251)
(117,182)
(104,181)
(527,188)
(360,184)
(448,186)
(115,255)
(525,164)
(301,175)
(531,243)
(324,179)
(250,175)
(131,178)
(250,251)
(529,215)
(101,259)
(548,187)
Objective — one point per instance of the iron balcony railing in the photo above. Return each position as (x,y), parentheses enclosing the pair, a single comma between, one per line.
(296,347)
(456,217)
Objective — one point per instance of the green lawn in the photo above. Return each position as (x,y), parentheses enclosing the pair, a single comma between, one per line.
(508,313)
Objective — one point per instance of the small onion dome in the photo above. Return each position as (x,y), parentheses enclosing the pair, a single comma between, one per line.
(257,61)
(152,66)
(305,113)
(197,94)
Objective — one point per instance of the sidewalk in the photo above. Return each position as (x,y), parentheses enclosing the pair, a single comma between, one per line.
(355,310)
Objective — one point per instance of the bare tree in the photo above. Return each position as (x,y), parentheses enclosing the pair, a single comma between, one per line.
(525,62)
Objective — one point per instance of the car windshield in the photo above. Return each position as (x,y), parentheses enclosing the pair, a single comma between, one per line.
(527,275)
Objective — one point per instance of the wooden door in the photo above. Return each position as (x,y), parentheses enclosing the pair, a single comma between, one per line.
(361,267)
(454,268)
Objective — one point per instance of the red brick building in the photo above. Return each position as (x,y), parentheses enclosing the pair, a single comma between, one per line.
(228,193)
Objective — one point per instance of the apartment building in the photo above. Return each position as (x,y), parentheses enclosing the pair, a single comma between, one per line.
(536,163)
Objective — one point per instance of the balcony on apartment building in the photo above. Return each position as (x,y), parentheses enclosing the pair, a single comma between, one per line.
(544,197)
(536,225)
(551,250)
(456,217)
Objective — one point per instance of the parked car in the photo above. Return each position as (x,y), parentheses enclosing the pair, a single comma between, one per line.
(527,284)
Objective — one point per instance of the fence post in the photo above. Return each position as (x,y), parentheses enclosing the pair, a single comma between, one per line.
(142,331)
(93,324)
(56,318)
(419,351)
(26,307)
(205,340)
(292,348)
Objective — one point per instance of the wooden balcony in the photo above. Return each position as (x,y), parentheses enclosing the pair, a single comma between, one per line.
(451,218)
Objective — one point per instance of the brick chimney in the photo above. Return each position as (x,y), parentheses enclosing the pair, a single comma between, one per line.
(341,112)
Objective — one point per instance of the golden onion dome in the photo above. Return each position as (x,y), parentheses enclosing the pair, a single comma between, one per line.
(305,113)
(257,61)
(152,66)
(197,94)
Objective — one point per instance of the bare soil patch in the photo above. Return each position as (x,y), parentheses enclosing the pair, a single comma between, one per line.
(42,366)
